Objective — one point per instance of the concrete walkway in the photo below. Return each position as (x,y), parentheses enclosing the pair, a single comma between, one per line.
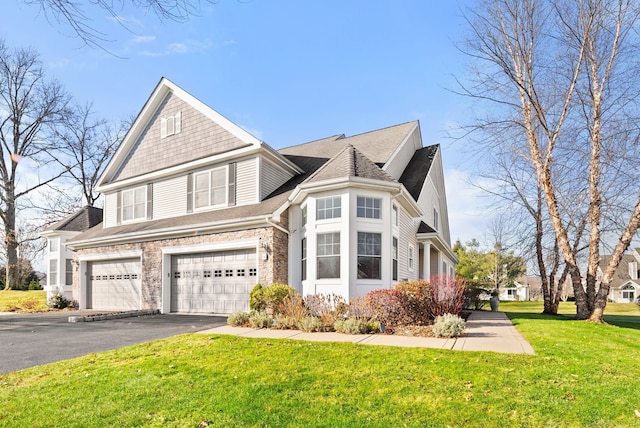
(486,331)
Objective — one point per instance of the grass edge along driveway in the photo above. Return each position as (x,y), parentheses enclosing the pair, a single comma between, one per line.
(582,374)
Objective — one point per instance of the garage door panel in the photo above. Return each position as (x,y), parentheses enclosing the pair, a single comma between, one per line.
(218,282)
(114,285)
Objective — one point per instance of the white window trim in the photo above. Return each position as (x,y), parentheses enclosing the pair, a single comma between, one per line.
(411,257)
(209,206)
(373,198)
(327,219)
(395,212)
(134,219)
(436,219)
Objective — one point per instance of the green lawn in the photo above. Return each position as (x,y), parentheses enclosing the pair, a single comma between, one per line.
(23,300)
(583,374)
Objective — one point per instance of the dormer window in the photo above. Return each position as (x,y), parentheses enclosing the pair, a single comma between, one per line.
(171,125)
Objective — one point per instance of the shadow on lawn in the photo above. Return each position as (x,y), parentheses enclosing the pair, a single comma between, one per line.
(624,321)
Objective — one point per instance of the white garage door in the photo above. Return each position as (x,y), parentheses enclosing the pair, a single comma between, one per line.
(114,284)
(217,282)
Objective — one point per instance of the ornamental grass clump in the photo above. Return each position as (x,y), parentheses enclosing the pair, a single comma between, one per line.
(328,308)
(311,324)
(356,326)
(238,319)
(448,325)
(259,319)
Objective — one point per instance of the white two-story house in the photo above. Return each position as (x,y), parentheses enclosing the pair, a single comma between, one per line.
(197,211)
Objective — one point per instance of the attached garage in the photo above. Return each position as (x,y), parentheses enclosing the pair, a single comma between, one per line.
(215,282)
(114,284)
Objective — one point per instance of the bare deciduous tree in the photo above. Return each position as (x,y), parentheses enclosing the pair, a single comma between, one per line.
(29,107)
(74,14)
(88,144)
(560,76)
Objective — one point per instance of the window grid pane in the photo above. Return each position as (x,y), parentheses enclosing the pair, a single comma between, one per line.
(328,255)
(368,207)
(329,208)
(369,255)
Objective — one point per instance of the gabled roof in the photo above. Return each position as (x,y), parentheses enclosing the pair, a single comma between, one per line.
(234,136)
(425,228)
(349,162)
(621,276)
(378,145)
(81,220)
(417,169)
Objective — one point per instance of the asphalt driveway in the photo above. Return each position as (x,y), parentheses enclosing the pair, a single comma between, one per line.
(28,340)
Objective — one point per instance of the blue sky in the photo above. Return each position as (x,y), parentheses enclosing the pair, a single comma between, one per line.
(286,71)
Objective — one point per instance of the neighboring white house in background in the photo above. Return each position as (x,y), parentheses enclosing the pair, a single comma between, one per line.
(60,267)
(197,211)
(518,292)
(625,286)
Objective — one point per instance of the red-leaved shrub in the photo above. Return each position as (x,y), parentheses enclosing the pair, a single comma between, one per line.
(418,300)
(388,307)
(448,295)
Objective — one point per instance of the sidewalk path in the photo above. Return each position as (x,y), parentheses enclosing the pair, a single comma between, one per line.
(486,331)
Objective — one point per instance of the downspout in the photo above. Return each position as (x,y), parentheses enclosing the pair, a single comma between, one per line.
(280,228)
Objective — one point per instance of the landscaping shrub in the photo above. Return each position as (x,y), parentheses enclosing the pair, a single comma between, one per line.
(285,322)
(34,285)
(256,301)
(448,295)
(326,307)
(359,308)
(356,326)
(57,300)
(418,301)
(311,324)
(270,298)
(388,306)
(238,319)
(448,325)
(293,307)
(475,297)
(259,319)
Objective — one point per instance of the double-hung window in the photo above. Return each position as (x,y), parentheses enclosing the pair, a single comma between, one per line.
(327,208)
(210,188)
(369,255)
(304,259)
(68,272)
(411,262)
(134,203)
(394,252)
(53,272)
(328,255)
(368,207)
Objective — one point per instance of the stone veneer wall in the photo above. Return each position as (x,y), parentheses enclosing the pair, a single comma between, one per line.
(273,241)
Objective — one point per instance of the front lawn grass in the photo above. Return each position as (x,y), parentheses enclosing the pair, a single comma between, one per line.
(583,374)
(24,301)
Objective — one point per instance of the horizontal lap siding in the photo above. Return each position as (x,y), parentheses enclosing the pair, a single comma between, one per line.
(170,198)
(111,209)
(246,186)
(408,228)
(271,178)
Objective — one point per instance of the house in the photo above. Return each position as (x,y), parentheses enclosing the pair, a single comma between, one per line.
(60,276)
(519,291)
(625,284)
(197,211)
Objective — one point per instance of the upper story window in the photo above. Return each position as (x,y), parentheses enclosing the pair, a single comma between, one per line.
(304,216)
(368,207)
(171,125)
(328,208)
(53,245)
(134,203)
(394,215)
(210,188)
(435,219)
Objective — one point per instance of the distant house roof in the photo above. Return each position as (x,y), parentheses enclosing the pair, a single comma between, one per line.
(417,169)
(81,220)
(621,276)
